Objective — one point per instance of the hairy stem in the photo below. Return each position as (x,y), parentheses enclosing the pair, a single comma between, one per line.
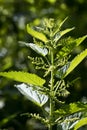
(51,89)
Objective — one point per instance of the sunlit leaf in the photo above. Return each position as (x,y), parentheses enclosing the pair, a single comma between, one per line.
(66,31)
(61,33)
(76,61)
(78,41)
(24,77)
(59,26)
(36,34)
(81,123)
(32,94)
(63,22)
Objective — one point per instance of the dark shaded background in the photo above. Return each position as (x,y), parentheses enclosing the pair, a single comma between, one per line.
(14,15)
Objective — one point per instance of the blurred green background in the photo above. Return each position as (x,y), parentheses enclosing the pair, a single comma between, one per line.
(14,15)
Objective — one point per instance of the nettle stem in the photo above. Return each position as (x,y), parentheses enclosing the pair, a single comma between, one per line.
(51,89)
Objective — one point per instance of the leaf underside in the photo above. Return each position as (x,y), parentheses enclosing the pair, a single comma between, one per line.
(25,77)
(32,94)
(36,48)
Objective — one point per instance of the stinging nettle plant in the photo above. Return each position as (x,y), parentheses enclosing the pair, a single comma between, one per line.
(55,52)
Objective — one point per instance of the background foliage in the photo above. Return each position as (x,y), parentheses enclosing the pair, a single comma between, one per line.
(14,15)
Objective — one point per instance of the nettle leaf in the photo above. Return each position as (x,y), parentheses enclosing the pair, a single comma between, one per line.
(60,73)
(58,26)
(34,95)
(72,108)
(24,77)
(69,44)
(66,31)
(61,33)
(81,123)
(76,61)
(36,34)
(63,22)
(78,41)
(69,122)
(36,48)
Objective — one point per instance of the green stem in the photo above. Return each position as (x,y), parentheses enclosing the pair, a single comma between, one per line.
(51,89)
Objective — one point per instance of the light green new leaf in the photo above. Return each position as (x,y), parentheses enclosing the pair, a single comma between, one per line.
(32,94)
(63,22)
(76,61)
(60,25)
(36,34)
(81,123)
(24,77)
(61,33)
(66,31)
(78,41)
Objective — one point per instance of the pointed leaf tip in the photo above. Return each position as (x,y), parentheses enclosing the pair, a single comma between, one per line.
(76,61)
(80,40)
(25,77)
(59,34)
(36,34)
(63,22)
(81,123)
